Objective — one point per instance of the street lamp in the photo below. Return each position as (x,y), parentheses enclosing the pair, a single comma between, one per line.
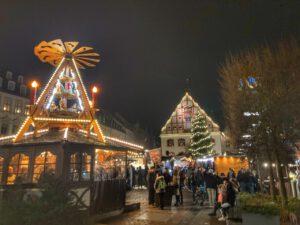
(95,90)
(34,85)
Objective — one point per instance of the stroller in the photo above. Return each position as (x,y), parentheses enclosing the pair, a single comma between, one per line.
(200,195)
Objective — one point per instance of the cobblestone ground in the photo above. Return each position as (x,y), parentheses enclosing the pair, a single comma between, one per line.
(188,214)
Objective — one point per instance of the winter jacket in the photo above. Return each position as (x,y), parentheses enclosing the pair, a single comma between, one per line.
(211,181)
(157,182)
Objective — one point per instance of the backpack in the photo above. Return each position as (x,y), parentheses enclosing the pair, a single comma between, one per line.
(162,184)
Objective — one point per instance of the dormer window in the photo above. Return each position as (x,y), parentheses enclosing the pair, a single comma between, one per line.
(23,90)
(11,85)
(20,79)
(9,75)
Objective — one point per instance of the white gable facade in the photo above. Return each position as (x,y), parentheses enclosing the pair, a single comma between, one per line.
(175,134)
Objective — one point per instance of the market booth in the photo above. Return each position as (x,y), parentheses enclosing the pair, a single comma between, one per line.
(223,163)
(62,136)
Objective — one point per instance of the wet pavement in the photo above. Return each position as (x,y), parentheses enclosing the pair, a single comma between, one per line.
(187,214)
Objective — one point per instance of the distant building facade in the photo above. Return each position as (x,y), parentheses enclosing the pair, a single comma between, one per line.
(115,126)
(14,97)
(175,134)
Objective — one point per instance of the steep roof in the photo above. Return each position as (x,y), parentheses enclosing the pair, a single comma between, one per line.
(181,118)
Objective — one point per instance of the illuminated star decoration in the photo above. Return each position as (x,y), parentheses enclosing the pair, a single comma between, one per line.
(53,52)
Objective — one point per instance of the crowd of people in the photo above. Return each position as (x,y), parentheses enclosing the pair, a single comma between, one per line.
(205,185)
(217,191)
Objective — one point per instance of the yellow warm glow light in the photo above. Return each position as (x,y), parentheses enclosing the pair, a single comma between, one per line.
(95,89)
(34,84)
(62,120)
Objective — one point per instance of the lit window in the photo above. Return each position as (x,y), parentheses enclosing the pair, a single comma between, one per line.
(18,108)
(80,166)
(7,105)
(44,163)
(26,111)
(18,167)
(181,142)
(170,142)
(1,168)
(11,85)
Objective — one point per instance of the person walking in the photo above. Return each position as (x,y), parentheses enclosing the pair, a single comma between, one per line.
(160,188)
(211,186)
(181,184)
(193,185)
(176,183)
(151,189)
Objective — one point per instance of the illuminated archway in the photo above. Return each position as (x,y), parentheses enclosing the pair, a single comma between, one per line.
(18,167)
(44,163)
(80,166)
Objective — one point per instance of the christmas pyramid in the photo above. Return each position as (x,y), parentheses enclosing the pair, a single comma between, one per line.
(64,102)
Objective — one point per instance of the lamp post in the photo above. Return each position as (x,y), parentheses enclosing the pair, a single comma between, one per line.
(34,85)
(94,92)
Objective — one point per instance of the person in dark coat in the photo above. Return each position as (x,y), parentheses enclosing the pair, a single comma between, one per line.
(211,186)
(151,189)
(167,176)
(181,185)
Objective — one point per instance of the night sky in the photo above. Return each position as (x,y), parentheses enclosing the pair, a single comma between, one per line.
(148,47)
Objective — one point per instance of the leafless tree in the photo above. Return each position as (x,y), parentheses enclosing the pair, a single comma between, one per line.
(272,99)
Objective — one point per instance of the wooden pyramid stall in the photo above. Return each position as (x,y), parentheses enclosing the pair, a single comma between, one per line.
(63,103)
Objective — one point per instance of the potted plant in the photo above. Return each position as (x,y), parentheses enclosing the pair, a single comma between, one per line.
(259,210)
(294,211)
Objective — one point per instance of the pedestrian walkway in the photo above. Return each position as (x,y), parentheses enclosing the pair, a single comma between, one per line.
(187,214)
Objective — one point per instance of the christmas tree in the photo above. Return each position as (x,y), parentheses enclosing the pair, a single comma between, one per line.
(201,143)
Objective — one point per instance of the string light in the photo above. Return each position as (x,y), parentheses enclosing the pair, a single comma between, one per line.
(26,134)
(59,65)
(62,120)
(66,133)
(116,140)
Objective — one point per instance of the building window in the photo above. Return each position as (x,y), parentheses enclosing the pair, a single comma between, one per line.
(20,79)
(1,81)
(80,166)
(11,85)
(18,108)
(18,168)
(7,105)
(4,128)
(170,142)
(9,75)
(23,90)
(181,142)
(44,163)
(26,111)
(15,129)
(1,168)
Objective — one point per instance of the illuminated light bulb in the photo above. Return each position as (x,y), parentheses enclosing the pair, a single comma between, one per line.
(95,89)
(34,84)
